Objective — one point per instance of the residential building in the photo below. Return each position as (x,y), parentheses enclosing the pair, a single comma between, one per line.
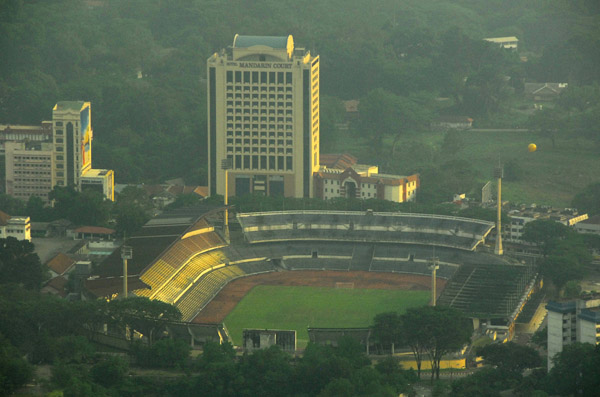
(263,117)
(544,91)
(445,123)
(18,227)
(570,322)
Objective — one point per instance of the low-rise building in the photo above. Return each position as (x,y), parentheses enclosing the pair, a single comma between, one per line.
(521,216)
(341,176)
(544,91)
(459,123)
(18,227)
(590,225)
(509,42)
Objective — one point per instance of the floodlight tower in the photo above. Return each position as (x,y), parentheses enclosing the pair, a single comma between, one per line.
(433,266)
(126,253)
(499,173)
(226,165)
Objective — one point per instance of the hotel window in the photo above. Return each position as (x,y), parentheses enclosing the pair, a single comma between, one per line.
(59,132)
(271,77)
(229,76)
(238,77)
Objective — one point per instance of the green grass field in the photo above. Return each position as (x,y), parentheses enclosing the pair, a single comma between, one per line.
(297,308)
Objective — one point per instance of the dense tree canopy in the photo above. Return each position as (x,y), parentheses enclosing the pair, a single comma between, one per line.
(142,64)
(20,264)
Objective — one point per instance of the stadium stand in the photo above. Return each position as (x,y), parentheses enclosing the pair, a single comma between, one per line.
(362,257)
(445,271)
(492,291)
(320,263)
(204,289)
(425,229)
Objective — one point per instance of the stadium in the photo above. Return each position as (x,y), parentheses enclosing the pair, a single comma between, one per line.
(183,258)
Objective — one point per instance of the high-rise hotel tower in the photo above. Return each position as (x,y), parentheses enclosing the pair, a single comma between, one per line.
(263,115)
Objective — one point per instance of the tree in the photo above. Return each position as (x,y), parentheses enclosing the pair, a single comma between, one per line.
(588,200)
(20,264)
(130,218)
(110,371)
(148,317)
(387,329)
(548,122)
(544,233)
(436,330)
(86,208)
(510,357)
(576,371)
(412,322)
(14,370)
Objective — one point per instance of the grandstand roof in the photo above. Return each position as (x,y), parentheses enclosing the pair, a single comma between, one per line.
(105,287)
(153,239)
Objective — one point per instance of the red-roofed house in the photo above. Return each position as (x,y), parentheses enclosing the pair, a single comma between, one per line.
(93,232)
(60,264)
(56,286)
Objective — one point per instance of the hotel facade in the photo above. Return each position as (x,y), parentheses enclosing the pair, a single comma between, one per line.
(263,118)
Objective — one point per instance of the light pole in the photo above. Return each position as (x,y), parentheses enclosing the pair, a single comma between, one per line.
(226,165)
(499,173)
(126,253)
(433,266)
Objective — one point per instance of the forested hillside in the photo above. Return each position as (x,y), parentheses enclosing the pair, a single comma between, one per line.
(415,50)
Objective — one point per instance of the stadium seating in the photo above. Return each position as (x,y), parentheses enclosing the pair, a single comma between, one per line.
(494,290)
(444,231)
(202,291)
(179,262)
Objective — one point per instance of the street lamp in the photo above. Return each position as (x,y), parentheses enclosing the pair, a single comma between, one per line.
(226,165)
(126,253)
(499,174)
(433,266)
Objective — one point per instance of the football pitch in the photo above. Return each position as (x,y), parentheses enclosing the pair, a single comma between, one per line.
(297,308)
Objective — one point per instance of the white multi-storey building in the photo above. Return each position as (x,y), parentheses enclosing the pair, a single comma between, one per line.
(570,322)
